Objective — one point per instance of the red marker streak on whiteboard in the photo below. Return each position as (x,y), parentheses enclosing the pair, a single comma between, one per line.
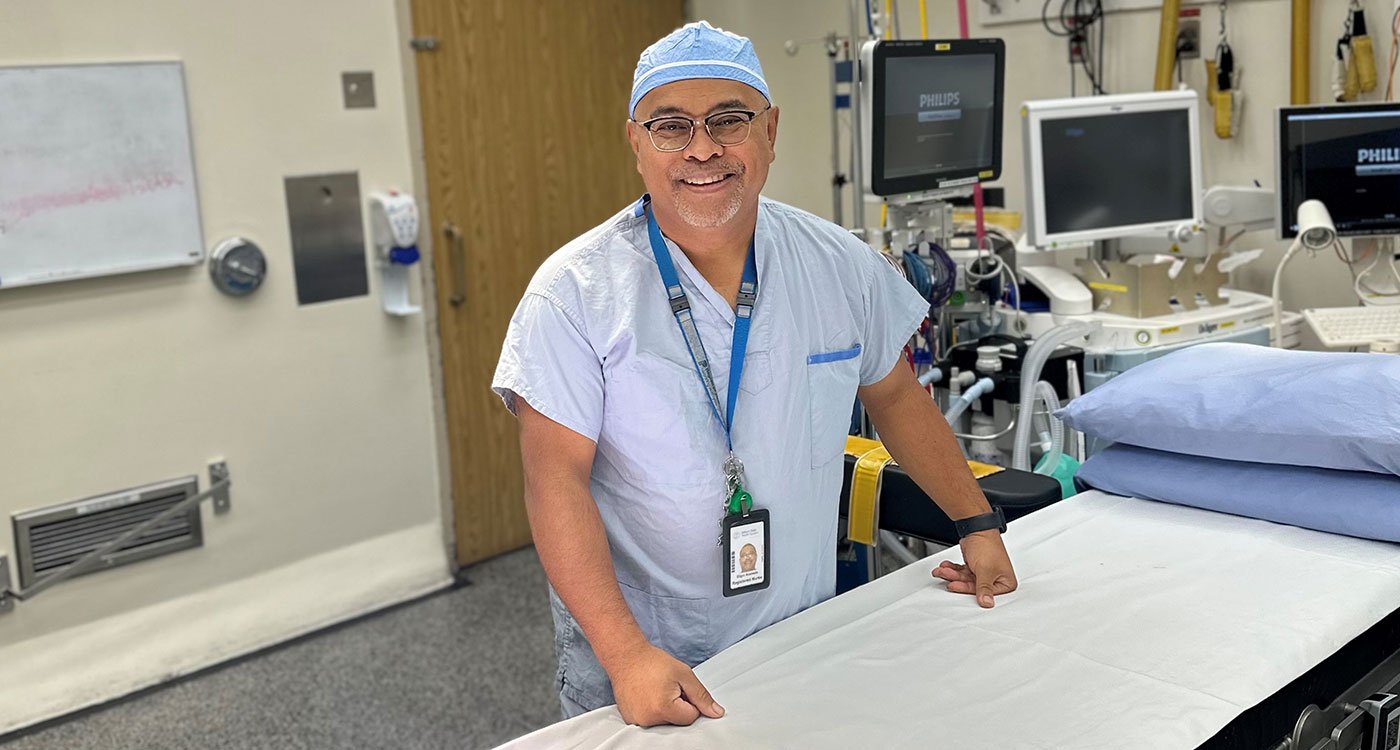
(13,212)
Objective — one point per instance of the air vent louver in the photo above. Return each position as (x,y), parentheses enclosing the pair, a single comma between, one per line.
(50,539)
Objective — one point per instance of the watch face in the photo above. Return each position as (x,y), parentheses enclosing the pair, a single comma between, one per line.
(237,267)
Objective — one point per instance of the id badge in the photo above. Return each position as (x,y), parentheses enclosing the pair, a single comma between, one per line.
(747,556)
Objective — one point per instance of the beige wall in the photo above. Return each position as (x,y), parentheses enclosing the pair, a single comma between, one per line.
(1036,69)
(324,413)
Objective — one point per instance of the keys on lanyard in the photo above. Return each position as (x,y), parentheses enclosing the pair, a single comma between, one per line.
(740,501)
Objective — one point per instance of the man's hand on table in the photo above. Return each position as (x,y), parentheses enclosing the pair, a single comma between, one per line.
(987,572)
(652,687)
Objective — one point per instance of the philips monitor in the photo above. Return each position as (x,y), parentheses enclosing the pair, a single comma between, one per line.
(1348,157)
(1106,167)
(931,112)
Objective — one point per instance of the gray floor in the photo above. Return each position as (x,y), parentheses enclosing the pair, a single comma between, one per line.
(468,668)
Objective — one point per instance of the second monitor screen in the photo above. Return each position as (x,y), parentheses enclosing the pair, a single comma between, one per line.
(1350,160)
(1116,170)
(938,114)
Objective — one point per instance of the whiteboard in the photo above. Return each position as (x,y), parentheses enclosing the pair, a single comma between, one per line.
(96,172)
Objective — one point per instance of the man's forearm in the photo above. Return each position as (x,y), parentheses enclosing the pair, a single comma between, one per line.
(573,548)
(919,438)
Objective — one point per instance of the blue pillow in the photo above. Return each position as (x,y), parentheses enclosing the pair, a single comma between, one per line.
(1253,403)
(1354,503)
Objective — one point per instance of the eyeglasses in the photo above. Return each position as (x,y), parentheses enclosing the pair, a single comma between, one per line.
(728,128)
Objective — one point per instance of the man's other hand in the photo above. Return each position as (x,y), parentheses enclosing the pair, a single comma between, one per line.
(988,571)
(652,687)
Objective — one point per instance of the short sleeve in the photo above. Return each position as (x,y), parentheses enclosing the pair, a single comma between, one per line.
(893,312)
(547,361)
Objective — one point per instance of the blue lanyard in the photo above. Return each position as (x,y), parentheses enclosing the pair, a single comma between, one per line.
(680,307)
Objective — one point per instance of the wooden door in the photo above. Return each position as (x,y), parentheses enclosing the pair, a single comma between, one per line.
(523,104)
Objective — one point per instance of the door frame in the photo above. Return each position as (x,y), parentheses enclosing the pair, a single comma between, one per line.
(427,244)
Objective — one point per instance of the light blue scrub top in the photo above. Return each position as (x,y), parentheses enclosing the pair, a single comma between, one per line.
(594,347)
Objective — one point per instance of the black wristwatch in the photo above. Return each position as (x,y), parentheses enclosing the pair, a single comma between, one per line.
(985,522)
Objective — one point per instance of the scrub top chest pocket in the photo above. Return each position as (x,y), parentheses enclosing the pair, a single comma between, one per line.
(833,375)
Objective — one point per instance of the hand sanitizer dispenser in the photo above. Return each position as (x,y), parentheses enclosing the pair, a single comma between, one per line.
(394,226)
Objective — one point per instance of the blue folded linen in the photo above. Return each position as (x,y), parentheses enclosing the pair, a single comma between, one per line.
(1354,503)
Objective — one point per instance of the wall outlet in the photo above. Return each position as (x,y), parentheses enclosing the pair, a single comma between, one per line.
(1188,39)
(1078,41)
(1076,50)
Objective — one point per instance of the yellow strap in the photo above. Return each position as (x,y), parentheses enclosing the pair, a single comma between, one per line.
(1224,104)
(856,445)
(1010,220)
(871,460)
(980,470)
(1352,87)
(865,494)
(1363,53)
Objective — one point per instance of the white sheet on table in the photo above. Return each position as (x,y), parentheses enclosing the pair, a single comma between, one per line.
(1138,625)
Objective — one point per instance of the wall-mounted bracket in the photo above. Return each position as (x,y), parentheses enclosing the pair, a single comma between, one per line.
(219,483)
(7,602)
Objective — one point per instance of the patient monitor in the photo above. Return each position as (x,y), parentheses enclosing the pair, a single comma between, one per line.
(1128,168)
(1106,167)
(1345,155)
(931,113)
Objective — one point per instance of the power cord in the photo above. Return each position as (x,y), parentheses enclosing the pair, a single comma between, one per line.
(934,278)
(1364,292)
(1394,51)
(999,268)
(1079,27)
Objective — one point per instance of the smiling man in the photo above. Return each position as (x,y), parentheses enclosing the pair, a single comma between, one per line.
(684,374)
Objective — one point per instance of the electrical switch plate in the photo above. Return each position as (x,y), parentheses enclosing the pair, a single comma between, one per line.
(1188,39)
(358,89)
(1076,50)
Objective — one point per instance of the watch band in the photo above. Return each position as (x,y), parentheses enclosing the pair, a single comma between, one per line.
(984,522)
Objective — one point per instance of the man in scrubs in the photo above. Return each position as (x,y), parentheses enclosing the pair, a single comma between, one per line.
(684,375)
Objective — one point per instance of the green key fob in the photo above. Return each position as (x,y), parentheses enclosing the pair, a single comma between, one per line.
(740,503)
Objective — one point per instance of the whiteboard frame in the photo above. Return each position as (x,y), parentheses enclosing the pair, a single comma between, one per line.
(195,258)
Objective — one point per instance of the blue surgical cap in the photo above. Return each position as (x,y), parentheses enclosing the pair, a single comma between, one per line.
(696,50)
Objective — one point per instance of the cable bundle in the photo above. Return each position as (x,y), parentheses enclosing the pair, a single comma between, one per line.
(934,277)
